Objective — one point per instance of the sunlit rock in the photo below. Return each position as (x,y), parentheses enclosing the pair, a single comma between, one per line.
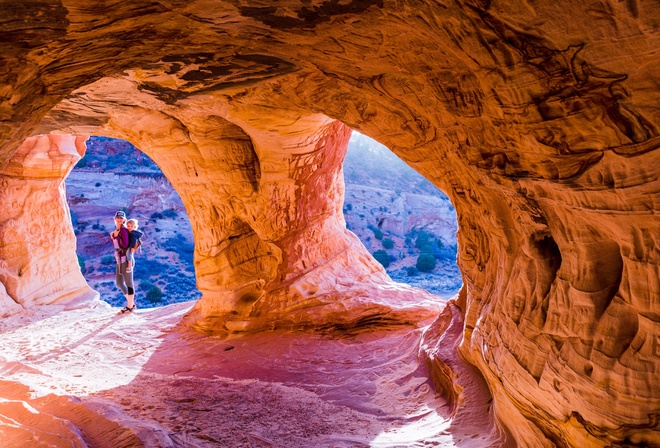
(37,264)
(7,305)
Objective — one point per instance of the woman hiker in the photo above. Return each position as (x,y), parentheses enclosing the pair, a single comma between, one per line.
(124,279)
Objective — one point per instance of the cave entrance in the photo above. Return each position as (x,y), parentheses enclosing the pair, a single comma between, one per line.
(403,220)
(115,175)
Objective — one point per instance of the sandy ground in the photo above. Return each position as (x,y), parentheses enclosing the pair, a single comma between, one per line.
(272,389)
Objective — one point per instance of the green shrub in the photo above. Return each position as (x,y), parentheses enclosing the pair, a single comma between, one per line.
(378,234)
(423,239)
(427,249)
(425,262)
(108,259)
(155,295)
(148,268)
(178,244)
(81,263)
(388,243)
(411,271)
(382,257)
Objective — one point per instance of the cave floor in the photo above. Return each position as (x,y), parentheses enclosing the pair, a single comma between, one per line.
(272,389)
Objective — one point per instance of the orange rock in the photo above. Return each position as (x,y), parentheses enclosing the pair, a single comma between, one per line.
(538,120)
(37,263)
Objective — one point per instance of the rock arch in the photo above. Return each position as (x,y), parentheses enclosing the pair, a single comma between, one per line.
(541,129)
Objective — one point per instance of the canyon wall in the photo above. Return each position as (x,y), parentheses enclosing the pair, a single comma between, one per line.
(541,122)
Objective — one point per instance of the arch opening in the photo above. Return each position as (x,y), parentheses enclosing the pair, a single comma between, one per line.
(276,170)
(115,175)
(404,217)
(404,221)
(547,126)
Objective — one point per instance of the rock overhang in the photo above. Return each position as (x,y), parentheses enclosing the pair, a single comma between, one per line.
(541,130)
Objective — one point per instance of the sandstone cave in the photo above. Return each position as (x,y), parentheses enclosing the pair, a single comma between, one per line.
(402,219)
(539,121)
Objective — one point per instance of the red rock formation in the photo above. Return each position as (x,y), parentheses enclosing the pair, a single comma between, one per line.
(539,121)
(37,265)
(55,420)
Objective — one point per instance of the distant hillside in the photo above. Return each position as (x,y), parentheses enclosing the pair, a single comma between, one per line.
(164,271)
(400,216)
(111,155)
(396,213)
(371,164)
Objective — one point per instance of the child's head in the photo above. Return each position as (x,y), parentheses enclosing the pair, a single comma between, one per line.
(132,224)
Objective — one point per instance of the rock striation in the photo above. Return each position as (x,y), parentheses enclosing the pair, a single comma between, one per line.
(37,265)
(540,121)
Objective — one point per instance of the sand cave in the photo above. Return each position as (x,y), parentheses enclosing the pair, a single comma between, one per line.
(539,121)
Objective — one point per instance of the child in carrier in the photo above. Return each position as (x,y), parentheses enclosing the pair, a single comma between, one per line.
(134,242)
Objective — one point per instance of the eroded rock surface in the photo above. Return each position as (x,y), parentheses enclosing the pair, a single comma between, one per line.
(540,121)
(37,266)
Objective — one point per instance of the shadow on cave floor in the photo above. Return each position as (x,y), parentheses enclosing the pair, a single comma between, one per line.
(291,390)
(273,389)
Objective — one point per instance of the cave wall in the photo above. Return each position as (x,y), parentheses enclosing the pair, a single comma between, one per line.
(268,245)
(37,265)
(539,121)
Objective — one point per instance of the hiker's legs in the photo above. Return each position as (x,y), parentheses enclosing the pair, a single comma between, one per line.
(119,277)
(130,292)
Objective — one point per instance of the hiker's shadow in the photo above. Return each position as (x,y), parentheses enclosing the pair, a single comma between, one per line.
(73,345)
